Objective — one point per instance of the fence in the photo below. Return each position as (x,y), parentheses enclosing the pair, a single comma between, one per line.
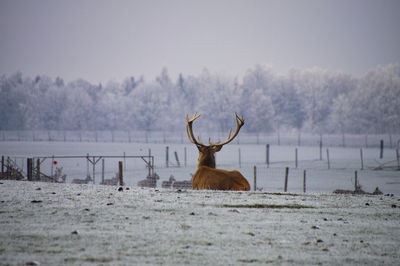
(277,138)
(327,168)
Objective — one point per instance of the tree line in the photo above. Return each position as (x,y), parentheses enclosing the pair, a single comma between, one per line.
(311,100)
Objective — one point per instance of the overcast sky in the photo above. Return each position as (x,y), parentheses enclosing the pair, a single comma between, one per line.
(100,40)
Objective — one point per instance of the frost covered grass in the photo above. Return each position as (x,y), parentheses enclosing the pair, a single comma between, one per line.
(56,224)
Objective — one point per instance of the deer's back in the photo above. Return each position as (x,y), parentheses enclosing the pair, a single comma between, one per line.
(219,179)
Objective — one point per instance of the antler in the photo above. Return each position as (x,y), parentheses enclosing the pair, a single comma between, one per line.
(239,124)
(189,130)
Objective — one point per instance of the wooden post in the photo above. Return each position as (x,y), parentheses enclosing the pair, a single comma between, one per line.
(362,159)
(255,178)
(2,165)
(398,158)
(87,165)
(381,153)
(120,167)
(166,156)
(150,165)
(94,169)
(304,181)
(267,155)
(327,157)
(286,179)
(320,148)
(124,161)
(177,159)
(29,169)
(38,169)
(355,181)
(8,168)
(366,141)
(240,160)
(102,171)
(295,158)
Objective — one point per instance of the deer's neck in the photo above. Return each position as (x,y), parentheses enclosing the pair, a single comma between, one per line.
(206,160)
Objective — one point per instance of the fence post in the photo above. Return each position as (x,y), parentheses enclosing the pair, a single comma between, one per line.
(398,158)
(150,165)
(2,165)
(320,147)
(120,175)
(327,157)
(102,171)
(94,169)
(295,158)
(362,159)
(124,161)
(286,179)
(366,141)
(267,155)
(381,153)
(87,165)
(177,159)
(166,156)
(355,181)
(29,169)
(8,167)
(255,178)
(304,181)
(38,169)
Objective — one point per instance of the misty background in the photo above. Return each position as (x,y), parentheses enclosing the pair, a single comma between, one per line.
(310,66)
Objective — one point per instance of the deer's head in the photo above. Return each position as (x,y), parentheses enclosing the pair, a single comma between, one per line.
(207,152)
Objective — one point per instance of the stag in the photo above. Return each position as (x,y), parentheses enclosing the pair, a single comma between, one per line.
(207,176)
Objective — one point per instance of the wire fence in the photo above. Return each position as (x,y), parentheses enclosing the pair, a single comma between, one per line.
(164,137)
(327,168)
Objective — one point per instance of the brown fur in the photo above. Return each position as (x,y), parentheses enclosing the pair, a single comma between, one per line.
(219,179)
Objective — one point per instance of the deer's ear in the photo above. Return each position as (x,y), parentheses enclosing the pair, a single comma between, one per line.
(200,148)
(217,148)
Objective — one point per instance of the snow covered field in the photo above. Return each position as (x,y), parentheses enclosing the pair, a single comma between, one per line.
(56,224)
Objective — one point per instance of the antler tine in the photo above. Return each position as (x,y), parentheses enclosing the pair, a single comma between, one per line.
(239,124)
(189,130)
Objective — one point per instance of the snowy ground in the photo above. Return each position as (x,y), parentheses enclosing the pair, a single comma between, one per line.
(55,224)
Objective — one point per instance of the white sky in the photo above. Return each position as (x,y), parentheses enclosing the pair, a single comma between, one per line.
(100,40)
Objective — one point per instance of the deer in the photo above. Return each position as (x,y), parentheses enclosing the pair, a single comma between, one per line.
(207,176)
